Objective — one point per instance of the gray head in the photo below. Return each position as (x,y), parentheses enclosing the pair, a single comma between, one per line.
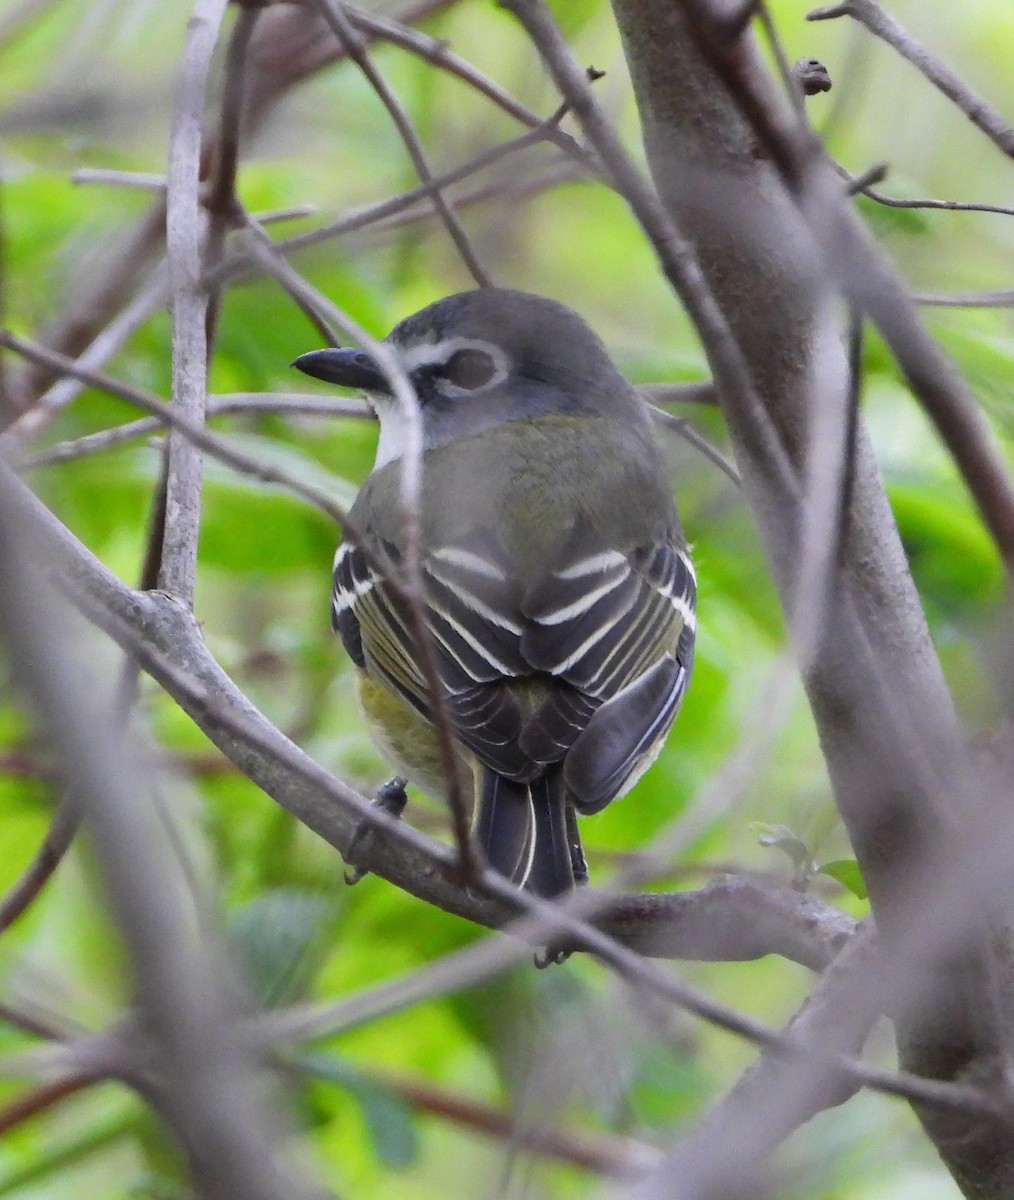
(480,358)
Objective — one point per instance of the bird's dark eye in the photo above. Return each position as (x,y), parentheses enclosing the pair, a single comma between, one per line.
(469,368)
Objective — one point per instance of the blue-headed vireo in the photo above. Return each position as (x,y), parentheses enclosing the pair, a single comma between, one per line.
(559,591)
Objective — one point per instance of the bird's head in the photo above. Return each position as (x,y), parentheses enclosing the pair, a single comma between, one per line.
(477,359)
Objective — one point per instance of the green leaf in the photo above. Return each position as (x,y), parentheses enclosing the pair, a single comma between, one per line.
(388,1118)
(279,936)
(846,871)
(953,558)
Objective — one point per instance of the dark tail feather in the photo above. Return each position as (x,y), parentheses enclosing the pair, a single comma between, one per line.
(552,872)
(503,826)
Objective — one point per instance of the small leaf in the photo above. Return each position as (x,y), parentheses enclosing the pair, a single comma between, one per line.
(782,838)
(388,1118)
(279,935)
(846,871)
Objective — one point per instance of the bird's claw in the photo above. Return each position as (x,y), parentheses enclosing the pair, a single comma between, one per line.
(391,798)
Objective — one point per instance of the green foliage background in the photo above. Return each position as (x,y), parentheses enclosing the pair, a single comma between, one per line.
(89,85)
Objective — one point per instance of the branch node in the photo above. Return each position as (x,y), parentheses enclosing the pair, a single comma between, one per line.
(811,76)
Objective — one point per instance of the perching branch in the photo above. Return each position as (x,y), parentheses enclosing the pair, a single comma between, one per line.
(210,1095)
(734,919)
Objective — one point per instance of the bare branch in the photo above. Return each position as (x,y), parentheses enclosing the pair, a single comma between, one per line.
(58,840)
(212,1096)
(682,427)
(235,404)
(334,13)
(775,1095)
(602,1153)
(140,180)
(185,236)
(736,919)
(884,26)
(220,200)
(1000,299)
(200,437)
(66,389)
(440,54)
(42,1098)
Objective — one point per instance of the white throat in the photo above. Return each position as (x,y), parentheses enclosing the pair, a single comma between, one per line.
(391,445)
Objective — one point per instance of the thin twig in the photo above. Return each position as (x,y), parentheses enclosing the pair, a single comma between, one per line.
(38,1023)
(661,394)
(928,202)
(506,189)
(603,1153)
(237,404)
(682,427)
(789,77)
(67,388)
(363,217)
(58,840)
(334,14)
(256,234)
(202,438)
(884,26)
(143,181)
(440,54)
(43,1098)
(863,185)
(1000,299)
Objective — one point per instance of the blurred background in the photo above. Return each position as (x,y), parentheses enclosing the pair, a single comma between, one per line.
(408,1105)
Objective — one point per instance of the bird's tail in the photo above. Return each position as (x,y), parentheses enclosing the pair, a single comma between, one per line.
(524,832)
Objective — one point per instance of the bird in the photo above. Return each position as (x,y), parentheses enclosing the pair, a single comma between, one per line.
(559,591)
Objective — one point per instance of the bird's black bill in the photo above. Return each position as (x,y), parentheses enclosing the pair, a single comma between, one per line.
(346,367)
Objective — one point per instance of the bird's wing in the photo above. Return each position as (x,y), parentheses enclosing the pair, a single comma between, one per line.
(472,614)
(596,622)
(618,628)
(602,616)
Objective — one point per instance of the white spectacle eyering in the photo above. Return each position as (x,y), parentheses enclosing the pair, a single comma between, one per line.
(389,412)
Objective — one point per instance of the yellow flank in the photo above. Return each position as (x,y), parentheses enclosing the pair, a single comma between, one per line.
(403,737)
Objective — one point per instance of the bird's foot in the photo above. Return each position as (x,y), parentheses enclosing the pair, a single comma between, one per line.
(551,956)
(391,798)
